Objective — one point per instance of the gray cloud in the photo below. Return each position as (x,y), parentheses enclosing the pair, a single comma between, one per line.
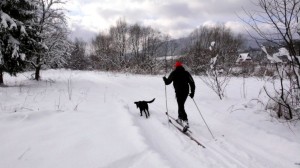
(176,10)
(176,17)
(134,15)
(82,33)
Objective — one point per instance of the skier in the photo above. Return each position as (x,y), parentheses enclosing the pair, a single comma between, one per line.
(181,79)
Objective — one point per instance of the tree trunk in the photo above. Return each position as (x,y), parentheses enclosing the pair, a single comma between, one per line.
(37,68)
(37,73)
(1,77)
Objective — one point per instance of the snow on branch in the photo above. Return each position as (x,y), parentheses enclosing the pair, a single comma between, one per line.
(212,44)
(274,58)
(7,21)
(213,61)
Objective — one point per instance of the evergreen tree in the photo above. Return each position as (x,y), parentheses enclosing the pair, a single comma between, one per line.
(16,18)
(78,58)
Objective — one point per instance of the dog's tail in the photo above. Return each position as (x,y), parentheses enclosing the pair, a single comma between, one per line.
(151,101)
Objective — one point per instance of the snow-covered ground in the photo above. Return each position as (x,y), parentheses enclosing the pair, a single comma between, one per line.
(76,119)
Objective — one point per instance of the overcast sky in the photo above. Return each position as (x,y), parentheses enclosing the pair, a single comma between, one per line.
(177,18)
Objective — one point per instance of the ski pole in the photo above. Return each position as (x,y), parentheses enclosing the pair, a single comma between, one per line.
(166,98)
(166,70)
(203,119)
(167,105)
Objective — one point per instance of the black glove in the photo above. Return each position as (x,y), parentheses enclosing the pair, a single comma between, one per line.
(192,95)
(164,78)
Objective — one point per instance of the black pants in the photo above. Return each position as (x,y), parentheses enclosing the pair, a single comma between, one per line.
(181,98)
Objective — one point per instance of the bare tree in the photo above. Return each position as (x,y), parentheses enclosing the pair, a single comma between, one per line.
(144,44)
(151,42)
(281,19)
(135,34)
(103,53)
(167,48)
(226,46)
(213,52)
(133,47)
(119,41)
(215,77)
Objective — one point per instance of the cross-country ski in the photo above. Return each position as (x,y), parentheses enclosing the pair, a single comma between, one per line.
(187,133)
(174,120)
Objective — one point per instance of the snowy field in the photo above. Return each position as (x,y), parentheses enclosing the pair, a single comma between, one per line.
(74,119)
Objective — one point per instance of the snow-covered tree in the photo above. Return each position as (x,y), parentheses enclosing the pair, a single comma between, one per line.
(16,34)
(52,28)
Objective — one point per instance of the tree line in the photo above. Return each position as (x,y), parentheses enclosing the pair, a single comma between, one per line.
(142,49)
(128,47)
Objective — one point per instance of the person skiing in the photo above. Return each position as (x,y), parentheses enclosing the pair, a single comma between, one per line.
(182,81)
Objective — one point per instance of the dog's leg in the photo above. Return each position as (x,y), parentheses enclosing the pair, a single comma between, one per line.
(141,112)
(146,113)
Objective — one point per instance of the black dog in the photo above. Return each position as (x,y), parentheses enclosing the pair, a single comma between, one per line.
(143,106)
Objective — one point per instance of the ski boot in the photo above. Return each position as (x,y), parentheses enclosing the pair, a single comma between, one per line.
(185,125)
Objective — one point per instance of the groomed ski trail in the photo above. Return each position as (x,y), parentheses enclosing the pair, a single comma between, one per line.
(179,151)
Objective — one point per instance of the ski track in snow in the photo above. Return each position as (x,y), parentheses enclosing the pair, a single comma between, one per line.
(225,154)
(101,127)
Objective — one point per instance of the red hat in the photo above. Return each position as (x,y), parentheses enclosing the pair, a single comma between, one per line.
(178,64)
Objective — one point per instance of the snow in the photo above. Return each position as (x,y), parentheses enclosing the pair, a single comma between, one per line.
(7,19)
(22,57)
(274,58)
(243,57)
(213,61)
(15,53)
(282,52)
(170,57)
(22,30)
(76,119)
(212,44)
